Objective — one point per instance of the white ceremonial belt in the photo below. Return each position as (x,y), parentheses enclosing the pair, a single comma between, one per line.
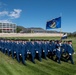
(70,54)
(15,52)
(28,52)
(48,50)
(43,50)
(9,50)
(36,51)
(20,54)
(54,50)
(5,48)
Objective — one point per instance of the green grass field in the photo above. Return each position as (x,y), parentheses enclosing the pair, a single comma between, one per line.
(9,66)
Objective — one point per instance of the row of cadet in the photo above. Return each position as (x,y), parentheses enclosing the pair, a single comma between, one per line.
(22,49)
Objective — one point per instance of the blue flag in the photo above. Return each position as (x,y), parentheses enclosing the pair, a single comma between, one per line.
(54,23)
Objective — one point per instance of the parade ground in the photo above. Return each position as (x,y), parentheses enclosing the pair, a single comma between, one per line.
(37,37)
(9,66)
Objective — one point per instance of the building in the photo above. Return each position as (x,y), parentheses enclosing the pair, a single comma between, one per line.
(33,30)
(7,27)
(37,30)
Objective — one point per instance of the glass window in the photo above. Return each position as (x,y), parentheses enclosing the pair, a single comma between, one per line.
(10,26)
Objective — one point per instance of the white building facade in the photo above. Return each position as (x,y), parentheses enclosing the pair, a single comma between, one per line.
(8,28)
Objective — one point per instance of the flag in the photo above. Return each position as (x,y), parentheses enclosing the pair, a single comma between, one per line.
(54,23)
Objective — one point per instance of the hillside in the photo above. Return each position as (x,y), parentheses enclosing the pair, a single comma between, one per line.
(36,30)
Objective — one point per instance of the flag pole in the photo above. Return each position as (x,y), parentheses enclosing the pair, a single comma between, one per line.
(60,33)
(60,28)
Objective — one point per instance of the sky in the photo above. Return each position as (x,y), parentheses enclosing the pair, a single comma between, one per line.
(36,13)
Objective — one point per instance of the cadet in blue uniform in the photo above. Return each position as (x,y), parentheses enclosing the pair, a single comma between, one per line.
(32,50)
(23,52)
(70,51)
(9,47)
(64,51)
(13,48)
(38,50)
(58,53)
(5,47)
(64,46)
(18,50)
(50,50)
(54,45)
(44,49)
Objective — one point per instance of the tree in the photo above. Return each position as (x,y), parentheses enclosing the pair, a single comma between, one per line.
(18,29)
(0,31)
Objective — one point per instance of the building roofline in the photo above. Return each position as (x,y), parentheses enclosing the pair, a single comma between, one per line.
(8,22)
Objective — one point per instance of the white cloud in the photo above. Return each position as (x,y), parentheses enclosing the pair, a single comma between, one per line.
(9,15)
(5,21)
(3,13)
(12,15)
(15,13)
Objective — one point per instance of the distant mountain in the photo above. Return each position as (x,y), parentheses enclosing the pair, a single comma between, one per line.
(74,32)
(35,30)
(21,27)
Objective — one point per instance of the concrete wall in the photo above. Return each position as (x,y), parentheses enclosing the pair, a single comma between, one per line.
(30,34)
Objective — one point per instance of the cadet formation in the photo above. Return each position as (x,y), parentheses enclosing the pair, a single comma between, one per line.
(38,49)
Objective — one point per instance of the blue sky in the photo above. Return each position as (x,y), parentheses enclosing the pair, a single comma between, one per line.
(35,13)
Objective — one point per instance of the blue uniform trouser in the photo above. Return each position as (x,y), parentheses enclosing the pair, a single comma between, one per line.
(23,58)
(12,54)
(39,57)
(33,58)
(58,60)
(9,52)
(2,50)
(44,54)
(18,58)
(71,59)
(12,51)
(5,51)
